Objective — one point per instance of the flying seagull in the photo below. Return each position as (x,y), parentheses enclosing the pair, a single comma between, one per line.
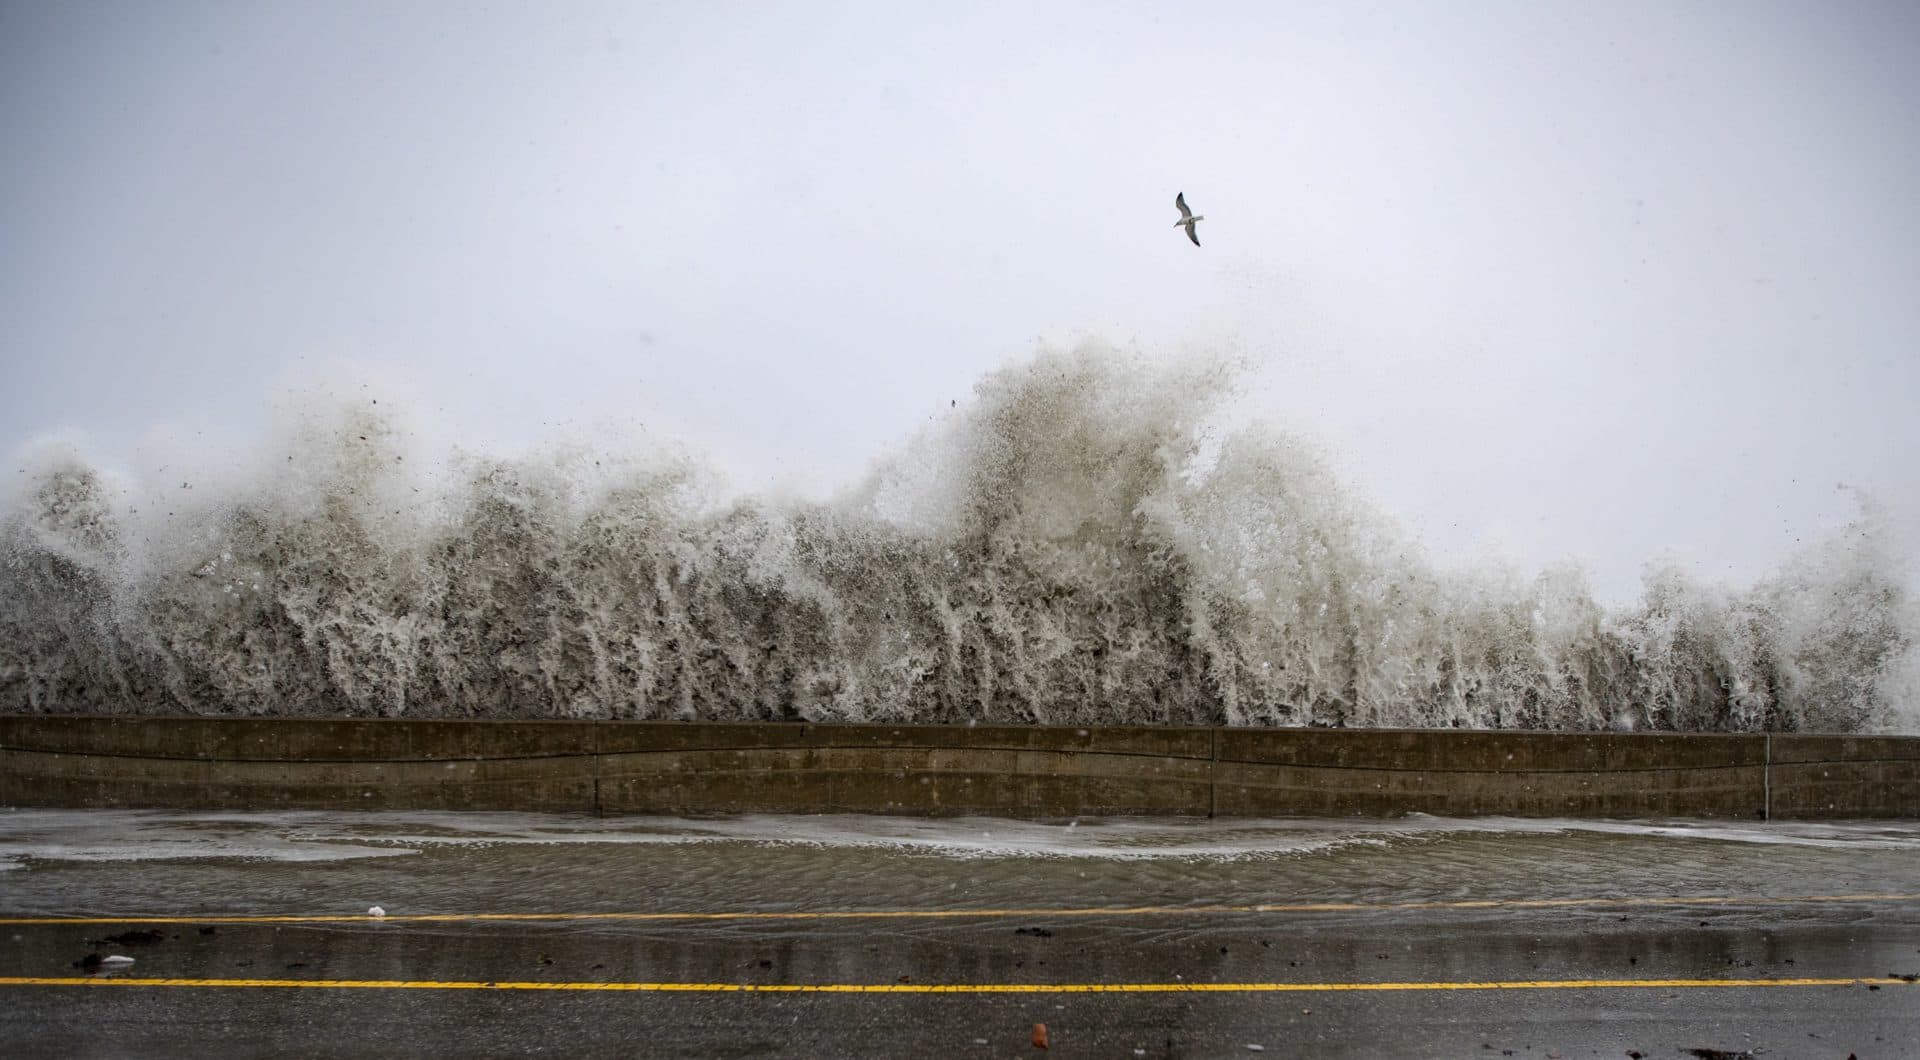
(1187,219)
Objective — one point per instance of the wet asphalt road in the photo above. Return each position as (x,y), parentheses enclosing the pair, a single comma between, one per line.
(857,937)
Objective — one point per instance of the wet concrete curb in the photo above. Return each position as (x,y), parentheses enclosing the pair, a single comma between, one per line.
(1018,771)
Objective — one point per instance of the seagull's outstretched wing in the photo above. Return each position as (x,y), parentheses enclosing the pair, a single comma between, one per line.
(1180,202)
(1193,235)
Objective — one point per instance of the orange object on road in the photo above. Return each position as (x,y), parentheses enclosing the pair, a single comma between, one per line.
(1039,1036)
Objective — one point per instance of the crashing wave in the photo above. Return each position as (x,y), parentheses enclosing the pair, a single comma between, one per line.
(1084,542)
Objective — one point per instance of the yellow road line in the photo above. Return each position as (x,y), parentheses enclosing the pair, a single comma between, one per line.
(953,914)
(947,988)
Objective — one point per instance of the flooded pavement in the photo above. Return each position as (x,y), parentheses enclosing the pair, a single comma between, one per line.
(822,936)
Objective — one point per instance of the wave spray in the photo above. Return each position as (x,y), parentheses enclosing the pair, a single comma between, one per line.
(1084,542)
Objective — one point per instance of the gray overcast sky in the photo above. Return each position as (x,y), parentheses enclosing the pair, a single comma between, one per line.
(1596,280)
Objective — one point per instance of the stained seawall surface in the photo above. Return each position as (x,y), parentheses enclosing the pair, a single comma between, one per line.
(1020,771)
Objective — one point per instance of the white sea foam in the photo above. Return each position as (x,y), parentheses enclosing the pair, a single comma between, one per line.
(134,836)
(1089,540)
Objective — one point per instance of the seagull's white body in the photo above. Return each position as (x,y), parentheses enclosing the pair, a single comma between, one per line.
(1187,219)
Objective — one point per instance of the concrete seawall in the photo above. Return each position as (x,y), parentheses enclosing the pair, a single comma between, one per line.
(1022,771)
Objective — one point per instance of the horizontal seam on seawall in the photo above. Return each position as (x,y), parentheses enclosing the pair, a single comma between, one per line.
(1198,758)
(122,755)
(955,988)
